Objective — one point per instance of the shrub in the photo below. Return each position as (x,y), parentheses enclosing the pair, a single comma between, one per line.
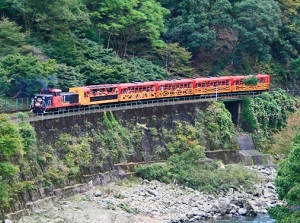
(157,171)
(250,81)
(188,171)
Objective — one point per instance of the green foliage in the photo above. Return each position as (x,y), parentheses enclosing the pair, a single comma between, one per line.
(10,147)
(294,77)
(11,39)
(254,36)
(186,169)
(284,215)
(69,77)
(117,139)
(143,70)
(176,59)
(184,138)
(77,153)
(97,72)
(193,24)
(287,183)
(288,186)
(219,129)
(265,114)
(4,81)
(127,208)
(250,81)
(248,120)
(26,73)
(106,67)
(52,20)
(130,21)
(157,171)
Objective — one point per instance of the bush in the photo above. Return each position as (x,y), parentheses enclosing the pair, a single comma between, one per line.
(250,81)
(187,170)
(157,171)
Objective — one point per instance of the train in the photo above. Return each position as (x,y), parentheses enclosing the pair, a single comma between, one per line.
(51,100)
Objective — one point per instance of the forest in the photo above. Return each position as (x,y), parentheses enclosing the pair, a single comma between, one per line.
(64,43)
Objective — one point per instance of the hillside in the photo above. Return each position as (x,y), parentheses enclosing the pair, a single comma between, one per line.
(80,42)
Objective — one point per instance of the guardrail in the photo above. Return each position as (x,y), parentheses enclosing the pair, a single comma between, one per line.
(10,105)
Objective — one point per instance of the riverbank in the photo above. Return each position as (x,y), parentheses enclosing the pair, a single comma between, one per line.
(155,202)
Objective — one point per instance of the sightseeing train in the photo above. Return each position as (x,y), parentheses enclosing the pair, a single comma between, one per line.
(50,100)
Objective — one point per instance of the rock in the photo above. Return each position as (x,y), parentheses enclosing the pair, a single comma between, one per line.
(270,185)
(242,211)
(153,192)
(97,193)
(267,193)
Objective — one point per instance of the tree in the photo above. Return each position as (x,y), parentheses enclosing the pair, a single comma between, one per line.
(69,77)
(176,59)
(257,26)
(97,72)
(26,73)
(294,72)
(195,24)
(4,81)
(130,21)
(49,19)
(11,39)
(287,184)
(144,70)
(290,6)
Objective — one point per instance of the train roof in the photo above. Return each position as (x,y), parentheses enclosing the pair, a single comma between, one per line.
(174,81)
(246,76)
(55,90)
(135,84)
(98,86)
(263,75)
(223,78)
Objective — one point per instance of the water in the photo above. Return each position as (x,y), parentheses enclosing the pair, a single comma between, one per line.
(258,219)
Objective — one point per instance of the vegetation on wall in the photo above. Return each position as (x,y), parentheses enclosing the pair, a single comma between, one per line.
(11,147)
(266,114)
(219,128)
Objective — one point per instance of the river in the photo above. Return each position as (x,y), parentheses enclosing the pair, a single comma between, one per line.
(258,219)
